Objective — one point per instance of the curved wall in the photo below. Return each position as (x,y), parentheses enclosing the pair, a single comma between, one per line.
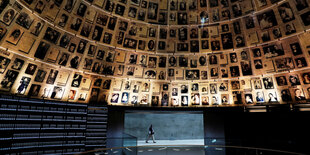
(90,51)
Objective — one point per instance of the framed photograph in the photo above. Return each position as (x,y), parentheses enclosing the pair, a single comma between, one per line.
(51,35)
(97,33)
(52,76)
(305,78)
(224,72)
(119,70)
(246,68)
(296,49)
(96,67)
(267,19)
(42,50)
(145,98)
(192,74)
(125,98)
(62,78)
(51,12)
(273,50)
(4,63)
(277,33)
(18,64)
(24,20)
(223,86)
(120,57)
(214,72)
(37,27)
(281,81)
(86,29)
(213,88)
(23,85)
(8,80)
(106,84)
(39,7)
(31,68)
(248,98)
(82,96)
(294,80)
(224,99)
(195,99)
(213,59)
(81,9)
(15,35)
(8,15)
(265,36)
(299,94)
(260,97)
(57,93)
(205,100)
(227,41)
(234,71)
(74,62)
(286,13)
(184,100)
(3,31)
(301,62)
(155,100)
(72,94)
(286,95)
(64,57)
(290,29)
(40,76)
(76,82)
(268,83)
(253,37)
(85,83)
(76,24)
(52,55)
(257,83)
(305,18)
(34,90)
(256,52)
(235,85)
(152,11)
(26,43)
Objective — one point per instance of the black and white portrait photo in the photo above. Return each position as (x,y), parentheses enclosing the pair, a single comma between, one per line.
(267,19)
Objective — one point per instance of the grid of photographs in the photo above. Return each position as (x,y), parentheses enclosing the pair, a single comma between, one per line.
(74,51)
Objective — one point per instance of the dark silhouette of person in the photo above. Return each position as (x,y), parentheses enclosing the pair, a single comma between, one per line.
(150,134)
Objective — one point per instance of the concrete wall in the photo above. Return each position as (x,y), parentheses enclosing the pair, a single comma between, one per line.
(167,126)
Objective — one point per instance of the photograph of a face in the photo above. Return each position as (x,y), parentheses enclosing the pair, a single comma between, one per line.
(18,64)
(4,62)
(15,35)
(31,68)
(37,27)
(57,92)
(8,80)
(8,15)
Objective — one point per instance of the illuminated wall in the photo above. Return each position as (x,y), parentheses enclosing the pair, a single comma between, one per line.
(156,53)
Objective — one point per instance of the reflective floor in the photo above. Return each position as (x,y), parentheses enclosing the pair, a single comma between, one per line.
(172,142)
(171,151)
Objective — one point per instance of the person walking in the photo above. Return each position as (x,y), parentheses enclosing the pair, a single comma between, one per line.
(150,134)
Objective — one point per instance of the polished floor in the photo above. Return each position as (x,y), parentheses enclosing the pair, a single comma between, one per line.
(172,142)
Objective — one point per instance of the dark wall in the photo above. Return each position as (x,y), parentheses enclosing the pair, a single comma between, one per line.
(115,128)
(285,131)
(167,126)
